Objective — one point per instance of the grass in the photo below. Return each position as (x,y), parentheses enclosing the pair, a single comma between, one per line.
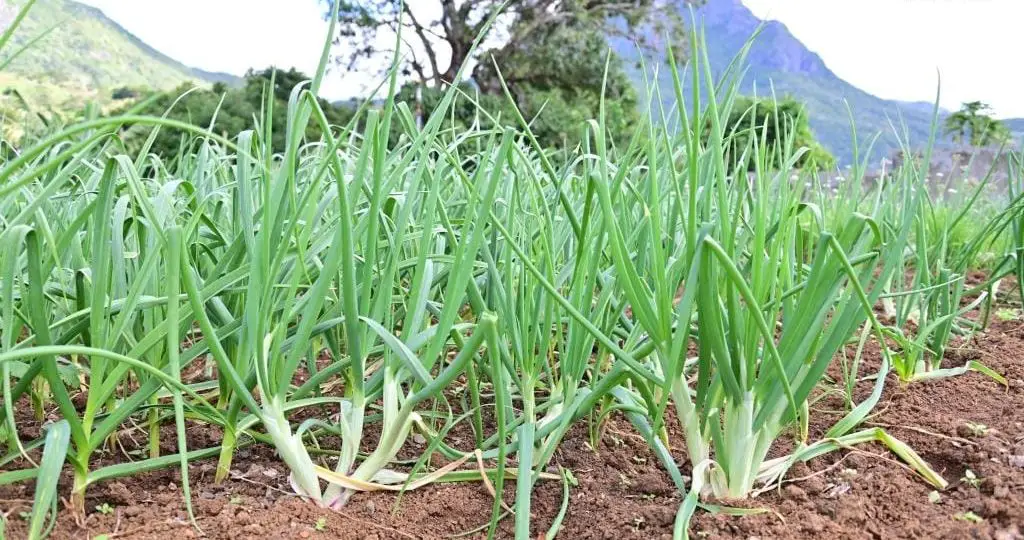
(470,276)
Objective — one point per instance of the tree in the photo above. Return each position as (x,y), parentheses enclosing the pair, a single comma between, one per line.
(232,110)
(775,124)
(556,92)
(971,123)
(551,54)
(557,80)
(439,34)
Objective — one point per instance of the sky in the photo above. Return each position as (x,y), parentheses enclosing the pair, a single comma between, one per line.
(890,48)
(234,35)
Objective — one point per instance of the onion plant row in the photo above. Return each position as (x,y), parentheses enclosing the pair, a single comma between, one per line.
(423,277)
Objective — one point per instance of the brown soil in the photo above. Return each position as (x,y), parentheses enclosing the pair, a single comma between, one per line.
(956,424)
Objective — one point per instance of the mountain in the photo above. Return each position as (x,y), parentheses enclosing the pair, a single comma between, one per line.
(777,59)
(84,56)
(1016,126)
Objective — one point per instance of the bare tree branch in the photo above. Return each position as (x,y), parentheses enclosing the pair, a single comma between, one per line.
(456,24)
(427,44)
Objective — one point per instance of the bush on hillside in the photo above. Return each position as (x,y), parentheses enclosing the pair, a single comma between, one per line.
(556,81)
(124,93)
(774,124)
(228,111)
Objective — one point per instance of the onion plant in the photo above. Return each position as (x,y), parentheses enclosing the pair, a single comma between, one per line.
(1015,187)
(930,302)
(75,320)
(392,267)
(712,257)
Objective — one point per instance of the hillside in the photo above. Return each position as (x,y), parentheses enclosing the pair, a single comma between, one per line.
(1016,126)
(779,60)
(85,56)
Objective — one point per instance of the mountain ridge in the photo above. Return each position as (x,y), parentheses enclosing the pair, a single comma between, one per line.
(202,74)
(85,56)
(779,62)
(88,55)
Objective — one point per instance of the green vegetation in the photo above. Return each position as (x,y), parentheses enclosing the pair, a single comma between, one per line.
(553,63)
(557,107)
(781,125)
(358,280)
(69,62)
(946,250)
(972,126)
(229,111)
(123,93)
(779,64)
(81,55)
(444,34)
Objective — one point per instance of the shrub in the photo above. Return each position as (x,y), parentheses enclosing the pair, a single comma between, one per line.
(228,111)
(123,93)
(776,124)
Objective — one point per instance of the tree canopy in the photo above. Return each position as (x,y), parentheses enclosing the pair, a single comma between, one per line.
(774,124)
(231,110)
(972,125)
(556,83)
(551,54)
(439,34)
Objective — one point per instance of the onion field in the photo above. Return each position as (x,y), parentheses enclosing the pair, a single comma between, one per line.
(350,303)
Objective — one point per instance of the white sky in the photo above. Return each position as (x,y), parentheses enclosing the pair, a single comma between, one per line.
(890,48)
(234,35)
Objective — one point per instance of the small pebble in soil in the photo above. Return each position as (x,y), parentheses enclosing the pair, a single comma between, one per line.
(813,484)
(1012,533)
(659,515)
(213,507)
(794,492)
(119,493)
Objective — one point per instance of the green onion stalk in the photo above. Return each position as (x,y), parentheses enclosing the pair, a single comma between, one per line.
(115,304)
(950,237)
(709,256)
(421,346)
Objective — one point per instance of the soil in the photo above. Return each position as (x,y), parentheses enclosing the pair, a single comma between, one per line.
(956,424)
